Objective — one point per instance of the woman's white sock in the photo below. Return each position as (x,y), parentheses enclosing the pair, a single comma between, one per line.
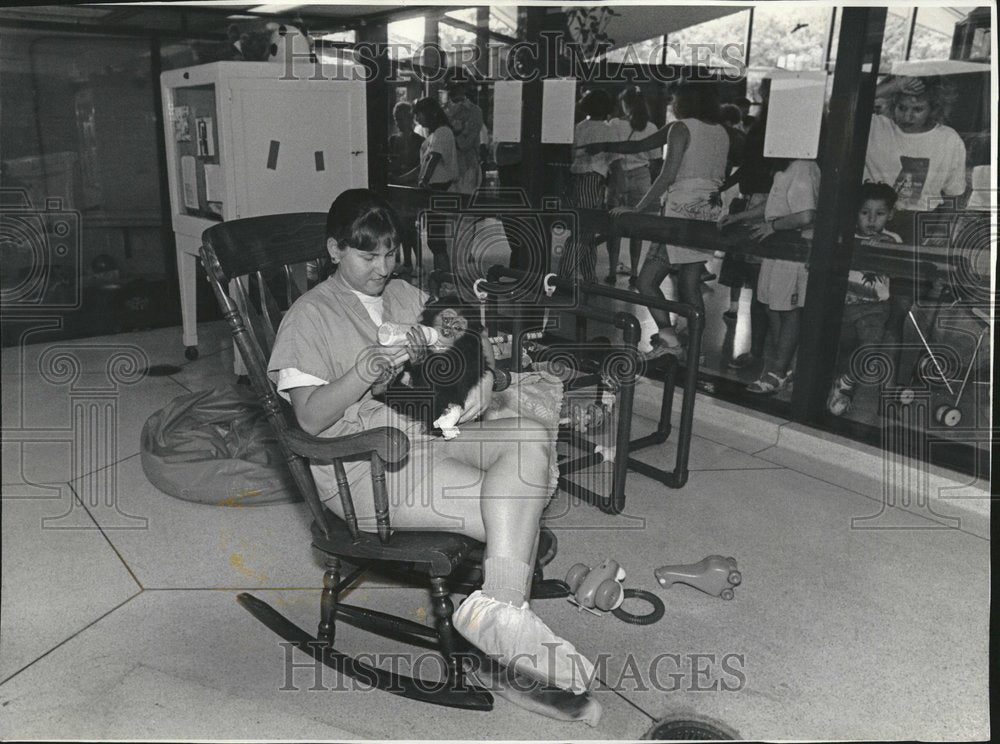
(505,579)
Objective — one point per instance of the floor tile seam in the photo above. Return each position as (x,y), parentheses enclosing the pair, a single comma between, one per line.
(120,461)
(775,443)
(770,466)
(80,475)
(730,446)
(877,500)
(72,636)
(716,442)
(107,539)
(628,701)
(317,588)
(173,379)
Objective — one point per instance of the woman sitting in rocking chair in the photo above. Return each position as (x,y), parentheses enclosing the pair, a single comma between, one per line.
(492,483)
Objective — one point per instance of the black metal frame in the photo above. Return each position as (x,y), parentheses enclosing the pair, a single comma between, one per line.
(502,301)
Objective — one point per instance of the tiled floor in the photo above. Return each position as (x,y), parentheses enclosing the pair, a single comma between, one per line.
(120,621)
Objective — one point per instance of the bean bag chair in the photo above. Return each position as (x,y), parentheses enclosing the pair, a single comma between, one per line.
(216,447)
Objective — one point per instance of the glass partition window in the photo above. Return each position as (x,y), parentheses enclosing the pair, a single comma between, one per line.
(503,19)
(466,15)
(648,52)
(79,132)
(705,42)
(456,41)
(405,37)
(933,32)
(897,31)
(792,37)
(919,320)
(343,36)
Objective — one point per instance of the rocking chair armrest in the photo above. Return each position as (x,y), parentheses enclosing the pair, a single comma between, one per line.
(391,445)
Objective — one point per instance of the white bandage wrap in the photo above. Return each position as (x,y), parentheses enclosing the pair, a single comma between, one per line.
(447,422)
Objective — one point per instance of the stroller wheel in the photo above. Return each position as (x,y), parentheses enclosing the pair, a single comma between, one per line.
(948,416)
(907,396)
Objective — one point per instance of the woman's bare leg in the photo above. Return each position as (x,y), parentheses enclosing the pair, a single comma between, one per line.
(654,271)
(513,454)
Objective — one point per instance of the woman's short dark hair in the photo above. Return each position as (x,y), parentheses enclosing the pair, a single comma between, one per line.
(361,219)
(697,100)
(597,104)
(638,112)
(431,110)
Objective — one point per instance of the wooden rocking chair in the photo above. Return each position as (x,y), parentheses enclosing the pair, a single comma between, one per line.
(243,259)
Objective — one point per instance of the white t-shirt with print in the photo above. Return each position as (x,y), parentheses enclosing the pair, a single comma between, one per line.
(921,167)
(868,286)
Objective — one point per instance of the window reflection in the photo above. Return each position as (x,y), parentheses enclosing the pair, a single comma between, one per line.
(928,145)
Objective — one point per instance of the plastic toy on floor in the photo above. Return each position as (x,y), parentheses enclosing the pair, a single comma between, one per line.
(600,589)
(713,575)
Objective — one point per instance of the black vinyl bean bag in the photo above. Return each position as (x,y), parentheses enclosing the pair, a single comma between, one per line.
(216,447)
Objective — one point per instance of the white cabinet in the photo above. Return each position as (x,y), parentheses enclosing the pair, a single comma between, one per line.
(246,139)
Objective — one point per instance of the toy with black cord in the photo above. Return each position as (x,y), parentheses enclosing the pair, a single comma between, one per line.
(600,590)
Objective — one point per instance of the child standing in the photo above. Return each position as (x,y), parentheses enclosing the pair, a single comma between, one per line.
(781,285)
(637,173)
(591,174)
(867,300)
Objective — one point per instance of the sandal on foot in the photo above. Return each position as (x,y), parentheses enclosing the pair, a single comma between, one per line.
(841,396)
(662,349)
(767,384)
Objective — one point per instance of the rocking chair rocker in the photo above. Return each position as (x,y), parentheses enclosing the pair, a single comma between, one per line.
(243,259)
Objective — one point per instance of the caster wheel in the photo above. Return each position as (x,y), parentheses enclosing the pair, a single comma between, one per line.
(939,413)
(726,594)
(951,418)
(191,352)
(907,396)
(608,595)
(575,576)
(735,577)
